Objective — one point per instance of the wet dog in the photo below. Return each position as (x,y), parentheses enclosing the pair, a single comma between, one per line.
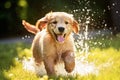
(53,40)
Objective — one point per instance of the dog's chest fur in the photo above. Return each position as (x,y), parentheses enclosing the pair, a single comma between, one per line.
(51,48)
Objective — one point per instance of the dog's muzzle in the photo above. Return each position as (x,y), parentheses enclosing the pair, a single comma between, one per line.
(61,36)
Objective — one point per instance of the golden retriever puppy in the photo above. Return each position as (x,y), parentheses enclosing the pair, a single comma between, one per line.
(54,41)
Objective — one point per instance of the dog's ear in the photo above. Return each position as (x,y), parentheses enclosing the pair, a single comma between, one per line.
(75,26)
(41,23)
(31,28)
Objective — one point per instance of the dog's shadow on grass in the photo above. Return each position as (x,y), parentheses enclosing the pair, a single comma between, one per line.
(8,53)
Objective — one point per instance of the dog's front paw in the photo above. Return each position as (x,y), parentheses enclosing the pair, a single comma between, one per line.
(69,61)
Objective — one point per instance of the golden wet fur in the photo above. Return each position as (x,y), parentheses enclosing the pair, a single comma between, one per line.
(53,40)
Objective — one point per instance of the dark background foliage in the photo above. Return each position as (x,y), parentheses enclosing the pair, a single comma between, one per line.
(104,14)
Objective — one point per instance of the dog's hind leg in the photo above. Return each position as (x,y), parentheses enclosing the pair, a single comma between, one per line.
(36,50)
(37,56)
(69,61)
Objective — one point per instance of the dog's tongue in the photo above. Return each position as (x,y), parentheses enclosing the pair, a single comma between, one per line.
(60,38)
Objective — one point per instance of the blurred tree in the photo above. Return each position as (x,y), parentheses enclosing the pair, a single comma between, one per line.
(40,8)
(7,16)
(10,20)
(13,11)
(77,7)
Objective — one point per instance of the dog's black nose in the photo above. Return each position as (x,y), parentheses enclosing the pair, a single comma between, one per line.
(61,29)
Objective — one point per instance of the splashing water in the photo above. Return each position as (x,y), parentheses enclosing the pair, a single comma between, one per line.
(82,66)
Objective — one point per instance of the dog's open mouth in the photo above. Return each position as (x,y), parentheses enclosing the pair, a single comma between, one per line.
(60,37)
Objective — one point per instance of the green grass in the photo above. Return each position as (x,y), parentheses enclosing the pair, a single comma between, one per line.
(104,53)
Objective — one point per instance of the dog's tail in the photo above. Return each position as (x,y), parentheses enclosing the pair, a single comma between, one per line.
(31,28)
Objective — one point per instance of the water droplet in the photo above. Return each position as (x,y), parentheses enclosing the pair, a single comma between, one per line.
(23,38)
(110,28)
(105,25)
(103,39)
(104,29)
(108,7)
(83,9)
(99,32)
(65,6)
(28,36)
(104,10)
(111,33)
(113,4)
(87,22)
(100,43)
(103,35)
(94,2)
(111,38)
(117,12)
(95,43)
(92,14)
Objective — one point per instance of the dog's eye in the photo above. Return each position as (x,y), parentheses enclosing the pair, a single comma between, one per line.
(55,22)
(66,22)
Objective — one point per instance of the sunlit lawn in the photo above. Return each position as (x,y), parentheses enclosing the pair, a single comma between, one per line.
(104,53)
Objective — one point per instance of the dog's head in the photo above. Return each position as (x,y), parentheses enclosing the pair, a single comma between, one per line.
(59,25)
